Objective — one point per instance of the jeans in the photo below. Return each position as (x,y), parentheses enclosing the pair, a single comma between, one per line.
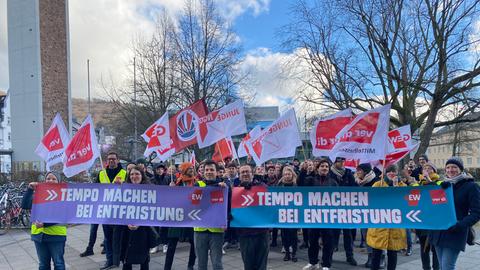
(108,243)
(93,236)
(447,257)
(254,250)
(48,251)
(172,246)
(314,247)
(377,255)
(205,241)
(409,238)
(425,249)
(347,240)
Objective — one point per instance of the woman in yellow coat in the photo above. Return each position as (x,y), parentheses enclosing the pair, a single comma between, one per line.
(391,240)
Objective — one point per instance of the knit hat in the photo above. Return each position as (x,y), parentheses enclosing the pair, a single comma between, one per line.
(423,156)
(339,159)
(431,165)
(184,167)
(456,161)
(365,167)
(391,168)
(161,165)
(57,175)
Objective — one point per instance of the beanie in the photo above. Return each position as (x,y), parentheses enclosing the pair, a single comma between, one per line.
(57,175)
(431,165)
(456,161)
(365,167)
(184,167)
(424,156)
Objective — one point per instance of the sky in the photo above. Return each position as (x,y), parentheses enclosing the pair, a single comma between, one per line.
(103,30)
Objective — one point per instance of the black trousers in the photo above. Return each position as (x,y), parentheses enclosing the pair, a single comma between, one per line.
(314,247)
(377,255)
(93,236)
(425,249)
(172,246)
(254,250)
(347,240)
(289,239)
(274,235)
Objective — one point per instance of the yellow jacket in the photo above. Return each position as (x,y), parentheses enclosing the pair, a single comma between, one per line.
(389,239)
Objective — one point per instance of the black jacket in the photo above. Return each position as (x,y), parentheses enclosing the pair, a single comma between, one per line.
(347,180)
(466,194)
(161,180)
(135,245)
(317,180)
(302,176)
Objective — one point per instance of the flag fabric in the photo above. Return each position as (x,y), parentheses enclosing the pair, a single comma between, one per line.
(52,146)
(399,145)
(225,122)
(184,125)
(278,140)
(81,152)
(324,132)
(242,148)
(365,138)
(224,148)
(193,159)
(158,139)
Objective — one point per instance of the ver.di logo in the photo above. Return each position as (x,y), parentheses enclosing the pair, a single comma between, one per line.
(187,122)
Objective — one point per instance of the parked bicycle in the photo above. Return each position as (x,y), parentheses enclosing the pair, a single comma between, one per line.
(11,213)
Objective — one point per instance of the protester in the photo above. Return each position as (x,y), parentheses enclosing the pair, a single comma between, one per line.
(344,178)
(232,180)
(136,240)
(161,180)
(49,238)
(130,166)
(200,170)
(113,174)
(365,177)
(321,179)
(171,175)
(466,193)
(253,241)
(307,169)
(274,174)
(142,163)
(259,174)
(209,240)
(422,160)
(289,236)
(186,179)
(391,240)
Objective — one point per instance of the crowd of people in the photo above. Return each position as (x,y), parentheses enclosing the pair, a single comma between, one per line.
(439,249)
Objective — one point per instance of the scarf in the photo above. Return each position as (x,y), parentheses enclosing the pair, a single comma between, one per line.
(367,179)
(184,180)
(339,172)
(457,178)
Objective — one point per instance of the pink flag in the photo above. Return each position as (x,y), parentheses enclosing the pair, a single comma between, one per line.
(158,138)
(365,138)
(225,122)
(279,140)
(52,146)
(324,132)
(242,148)
(81,152)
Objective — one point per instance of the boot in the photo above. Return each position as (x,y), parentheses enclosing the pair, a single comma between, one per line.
(287,256)
(368,264)
(87,252)
(294,257)
(382,262)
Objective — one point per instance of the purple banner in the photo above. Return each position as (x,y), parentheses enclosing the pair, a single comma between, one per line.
(142,205)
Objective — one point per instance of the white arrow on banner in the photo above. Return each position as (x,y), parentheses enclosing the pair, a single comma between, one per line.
(194,214)
(52,195)
(247,200)
(412,216)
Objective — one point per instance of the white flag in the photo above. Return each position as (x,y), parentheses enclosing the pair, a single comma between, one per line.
(324,132)
(279,140)
(53,144)
(159,140)
(81,152)
(242,148)
(225,122)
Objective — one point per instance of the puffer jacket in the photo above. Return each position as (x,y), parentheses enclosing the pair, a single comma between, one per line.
(389,239)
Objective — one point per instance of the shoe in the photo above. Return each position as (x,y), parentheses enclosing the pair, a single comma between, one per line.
(103,251)
(382,262)
(86,253)
(368,264)
(283,250)
(294,257)
(102,244)
(165,248)
(303,245)
(311,267)
(287,257)
(325,268)
(362,245)
(154,250)
(108,266)
(408,252)
(352,261)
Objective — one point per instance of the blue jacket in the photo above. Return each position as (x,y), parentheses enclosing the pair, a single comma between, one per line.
(466,194)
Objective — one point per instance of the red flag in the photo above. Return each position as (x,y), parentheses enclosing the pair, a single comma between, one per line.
(193,160)
(82,150)
(184,124)
(52,147)
(224,149)
(158,138)
(322,135)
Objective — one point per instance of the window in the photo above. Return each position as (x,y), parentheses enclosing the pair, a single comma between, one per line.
(469,161)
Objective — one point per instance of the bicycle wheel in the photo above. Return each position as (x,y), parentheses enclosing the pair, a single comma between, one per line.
(25,218)
(5,223)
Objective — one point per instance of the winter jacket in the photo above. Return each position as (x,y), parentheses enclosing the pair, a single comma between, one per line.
(302,176)
(317,180)
(466,194)
(161,180)
(389,239)
(251,231)
(135,244)
(347,180)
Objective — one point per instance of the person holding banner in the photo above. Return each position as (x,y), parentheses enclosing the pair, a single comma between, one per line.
(253,241)
(135,241)
(391,240)
(209,240)
(321,179)
(49,238)
(466,193)
(307,169)
(289,236)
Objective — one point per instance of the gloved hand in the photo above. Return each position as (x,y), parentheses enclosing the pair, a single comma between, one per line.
(445,185)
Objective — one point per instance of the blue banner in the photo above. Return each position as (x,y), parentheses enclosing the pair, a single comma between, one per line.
(426,207)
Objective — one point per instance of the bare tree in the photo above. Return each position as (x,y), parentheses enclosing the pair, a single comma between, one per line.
(418,55)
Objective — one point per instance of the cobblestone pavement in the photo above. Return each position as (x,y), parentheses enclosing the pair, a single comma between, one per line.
(17,252)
